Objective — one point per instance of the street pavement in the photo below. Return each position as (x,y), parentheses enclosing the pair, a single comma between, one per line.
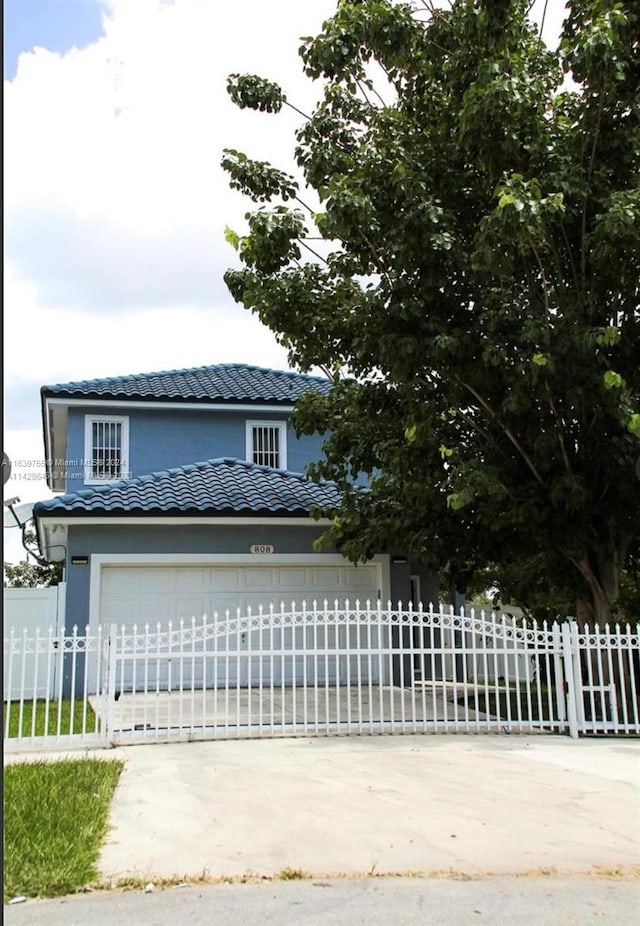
(503,901)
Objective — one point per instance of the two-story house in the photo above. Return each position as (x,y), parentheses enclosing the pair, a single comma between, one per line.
(184,495)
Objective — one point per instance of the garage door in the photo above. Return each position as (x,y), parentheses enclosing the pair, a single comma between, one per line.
(158,594)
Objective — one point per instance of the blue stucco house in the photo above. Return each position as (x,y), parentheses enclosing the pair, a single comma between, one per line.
(183,493)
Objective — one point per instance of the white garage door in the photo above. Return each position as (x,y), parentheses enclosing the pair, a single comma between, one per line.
(137,595)
(143,595)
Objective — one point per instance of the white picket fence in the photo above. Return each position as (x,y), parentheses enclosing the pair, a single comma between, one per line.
(32,610)
(309,670)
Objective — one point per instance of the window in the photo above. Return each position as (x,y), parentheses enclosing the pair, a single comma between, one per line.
(106,448)
(267,443)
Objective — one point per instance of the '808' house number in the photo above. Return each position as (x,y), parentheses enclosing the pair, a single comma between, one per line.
(261,548)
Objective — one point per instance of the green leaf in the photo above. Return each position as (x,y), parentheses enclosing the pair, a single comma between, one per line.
(458,500)
(257,179)
(411,433)
(612,380)
(231,237)
(633,425)
(540,360)
(254,92)
(607,337)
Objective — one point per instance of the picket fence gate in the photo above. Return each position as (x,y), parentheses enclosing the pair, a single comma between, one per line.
(318,670)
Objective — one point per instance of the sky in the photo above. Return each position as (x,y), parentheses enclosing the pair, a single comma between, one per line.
(115,204)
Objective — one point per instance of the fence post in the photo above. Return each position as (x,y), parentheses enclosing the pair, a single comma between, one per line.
(577,674)
(109,681)
(572,674)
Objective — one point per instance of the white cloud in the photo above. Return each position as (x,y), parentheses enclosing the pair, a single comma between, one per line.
(115,202)
(88,264)
(141,340)
(114,149)
(132,127)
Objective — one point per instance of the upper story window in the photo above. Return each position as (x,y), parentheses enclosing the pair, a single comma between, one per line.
(267,443)
(106,448)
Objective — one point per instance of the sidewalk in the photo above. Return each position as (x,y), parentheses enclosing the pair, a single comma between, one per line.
(356,805)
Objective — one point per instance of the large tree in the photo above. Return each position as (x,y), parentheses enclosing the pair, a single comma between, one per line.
(474,294)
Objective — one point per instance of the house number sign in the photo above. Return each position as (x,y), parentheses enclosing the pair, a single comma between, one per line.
(261,548)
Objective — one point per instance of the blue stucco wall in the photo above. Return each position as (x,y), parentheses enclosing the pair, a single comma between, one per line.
(164,438)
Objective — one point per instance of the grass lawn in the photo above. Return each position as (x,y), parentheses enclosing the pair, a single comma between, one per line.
(55,819)
(48,725)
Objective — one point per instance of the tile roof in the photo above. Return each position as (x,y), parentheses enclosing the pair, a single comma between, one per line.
(214,487)
(232,382)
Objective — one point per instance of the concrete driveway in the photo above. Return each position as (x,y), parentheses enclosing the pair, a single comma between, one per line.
(314,710)
(469,805)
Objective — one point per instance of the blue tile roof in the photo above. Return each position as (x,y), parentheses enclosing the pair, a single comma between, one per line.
(232,382)
(214,487)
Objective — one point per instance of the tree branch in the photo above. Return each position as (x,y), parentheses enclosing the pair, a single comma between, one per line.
(367,100)
(559,423)
(570,255)
(304,205)
(554,413)
(514,440)
(544,15)
(583,250)
(376,257)
(295,109)
(315,253)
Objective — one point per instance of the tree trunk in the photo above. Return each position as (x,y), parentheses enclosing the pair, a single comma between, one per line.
(600,569)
